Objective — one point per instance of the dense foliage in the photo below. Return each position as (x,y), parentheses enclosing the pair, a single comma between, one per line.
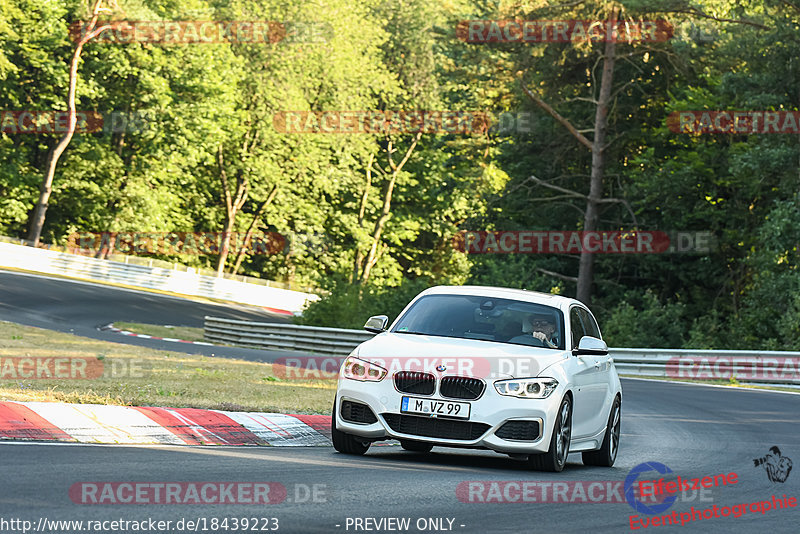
(371,218)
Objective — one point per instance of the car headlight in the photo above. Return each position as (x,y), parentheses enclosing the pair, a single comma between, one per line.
(526,388)
(358,369)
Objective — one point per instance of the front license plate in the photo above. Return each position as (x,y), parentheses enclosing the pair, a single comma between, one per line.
(442,408)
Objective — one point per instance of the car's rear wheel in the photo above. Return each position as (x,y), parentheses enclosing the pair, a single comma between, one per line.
(607,453)
(556,458)
(343,442)
(415,446)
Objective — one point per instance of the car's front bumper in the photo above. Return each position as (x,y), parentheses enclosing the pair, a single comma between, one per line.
(491,409)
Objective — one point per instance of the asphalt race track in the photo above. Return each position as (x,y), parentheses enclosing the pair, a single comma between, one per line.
(81,307)
(696,431)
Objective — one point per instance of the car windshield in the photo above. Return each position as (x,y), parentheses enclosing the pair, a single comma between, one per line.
(485,318)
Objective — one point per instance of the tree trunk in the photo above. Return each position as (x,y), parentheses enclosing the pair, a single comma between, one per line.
(40,211)
(586,265)
(598,147)
(362,208)
(232,207)
(386,212)
(380,223)
(225,244)
(251,229)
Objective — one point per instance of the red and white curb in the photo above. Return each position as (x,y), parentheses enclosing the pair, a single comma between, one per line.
(111,328)
(99,423)
(279,311)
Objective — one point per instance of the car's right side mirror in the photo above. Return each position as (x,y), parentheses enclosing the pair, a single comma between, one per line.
(376,324)
(589,345)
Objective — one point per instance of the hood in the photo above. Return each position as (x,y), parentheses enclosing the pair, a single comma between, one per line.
(463,357)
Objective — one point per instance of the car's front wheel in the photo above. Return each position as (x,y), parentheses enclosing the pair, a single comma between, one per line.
(344,442)
(415,446)
(556,458)
(607,453)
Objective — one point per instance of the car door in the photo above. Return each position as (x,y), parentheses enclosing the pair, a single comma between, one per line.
(603,364)
(591,378)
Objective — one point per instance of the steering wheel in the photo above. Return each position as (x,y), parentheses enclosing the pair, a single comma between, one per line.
(528,339)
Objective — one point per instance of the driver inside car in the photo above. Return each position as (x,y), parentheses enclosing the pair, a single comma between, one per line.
(541,327)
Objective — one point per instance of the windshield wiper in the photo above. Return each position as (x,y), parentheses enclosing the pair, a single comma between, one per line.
(411,332)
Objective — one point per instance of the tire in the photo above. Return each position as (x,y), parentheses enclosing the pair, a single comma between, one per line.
(416,446)
(555,458)
(607,453)
(343,442)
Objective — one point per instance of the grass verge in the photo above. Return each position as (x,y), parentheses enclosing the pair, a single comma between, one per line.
(137,376)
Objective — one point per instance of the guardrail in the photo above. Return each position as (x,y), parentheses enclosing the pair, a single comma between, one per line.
(746,366)
(186,282)
(777,367)
(316,339)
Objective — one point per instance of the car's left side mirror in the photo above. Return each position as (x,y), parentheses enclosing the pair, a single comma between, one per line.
(589,345)
(376,324)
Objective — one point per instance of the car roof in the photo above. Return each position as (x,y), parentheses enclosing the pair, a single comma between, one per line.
(548,299)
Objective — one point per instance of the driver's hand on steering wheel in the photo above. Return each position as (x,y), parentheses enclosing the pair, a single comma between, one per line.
(541,336)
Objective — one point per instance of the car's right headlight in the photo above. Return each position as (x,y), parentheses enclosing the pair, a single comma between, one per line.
(358,369)
(526,388)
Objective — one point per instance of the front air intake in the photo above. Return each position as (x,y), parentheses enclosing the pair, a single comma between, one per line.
(356,412)
(519,431)
(435,427)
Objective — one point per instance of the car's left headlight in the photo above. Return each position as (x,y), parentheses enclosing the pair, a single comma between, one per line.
(358,369)
(526,388)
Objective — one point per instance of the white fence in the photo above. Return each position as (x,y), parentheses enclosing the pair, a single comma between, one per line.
(745,366)
(254,291)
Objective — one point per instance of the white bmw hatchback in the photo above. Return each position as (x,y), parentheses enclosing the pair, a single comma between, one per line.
(518,372)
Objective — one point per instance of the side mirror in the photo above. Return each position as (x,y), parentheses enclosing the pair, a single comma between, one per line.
(589,345)
(376,324)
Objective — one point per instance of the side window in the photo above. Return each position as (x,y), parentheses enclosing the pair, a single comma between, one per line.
(589,323)
(576,326)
